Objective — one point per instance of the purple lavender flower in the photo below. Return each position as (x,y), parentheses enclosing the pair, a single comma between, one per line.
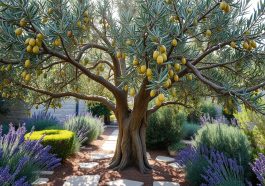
(17,155)
(222,171)
(219,170)
(258,168)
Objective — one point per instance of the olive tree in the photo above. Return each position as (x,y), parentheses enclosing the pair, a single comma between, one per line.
(145,56)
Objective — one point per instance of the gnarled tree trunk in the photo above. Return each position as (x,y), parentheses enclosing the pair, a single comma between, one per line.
(131,146)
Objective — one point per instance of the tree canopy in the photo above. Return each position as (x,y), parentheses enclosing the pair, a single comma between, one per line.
(152,51)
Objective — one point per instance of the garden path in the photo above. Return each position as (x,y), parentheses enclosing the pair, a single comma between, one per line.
(89,167)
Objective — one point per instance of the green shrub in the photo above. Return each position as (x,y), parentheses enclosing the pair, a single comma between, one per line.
(164,128)
(253,125)
(194,116)
(98,109)
(176,146)
(87,127)
(189,130)
(41,121)
(209,108)
(227,139)
(61,141)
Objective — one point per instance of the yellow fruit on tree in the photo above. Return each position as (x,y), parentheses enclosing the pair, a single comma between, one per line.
(233,44)
(45,20)
(23,75)
(135,62)
(27,41)
(38,42)
(40,36)
(143,69)
(247,32)
(162,49)
(161,97)
(183,60)
(160,60)
(152,93)
(86,14)
(168,1)
(18,31)
(171,73)
(208,33)
(189,77)
(23,22)
(174,42)
(253,43)
(36,49)
(157,102)
(79,24)
(176,77)
(164,55)
(245,45)
(227,8)
(155,55)
(132,92)
(32,42)
(177,67)
(167,83)
(29,48)
(150,78)
(223,5)
(125,88)
(27,63)
(149,72)
(28,77)
(57,42)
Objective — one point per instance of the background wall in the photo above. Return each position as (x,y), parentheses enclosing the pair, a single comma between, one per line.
(19,111)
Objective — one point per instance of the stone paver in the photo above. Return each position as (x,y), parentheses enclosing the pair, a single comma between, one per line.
(176,165)
(148,155)
(124,182)
(45,172)
(40,182)
(87,180)
(89,165)
(100,156)
(165,159)
(110,143)
(165,183)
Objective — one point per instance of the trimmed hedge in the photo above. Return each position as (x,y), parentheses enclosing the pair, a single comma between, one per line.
(61,141)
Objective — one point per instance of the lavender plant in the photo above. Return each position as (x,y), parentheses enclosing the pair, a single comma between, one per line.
(22,160)
(209,167)
(222,171)
(258,168)
(41,121)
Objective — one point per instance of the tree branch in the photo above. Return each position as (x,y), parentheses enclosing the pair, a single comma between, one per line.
(155,108)
(100,99)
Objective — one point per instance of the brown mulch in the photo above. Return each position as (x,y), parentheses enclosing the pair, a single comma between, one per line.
(161,171)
